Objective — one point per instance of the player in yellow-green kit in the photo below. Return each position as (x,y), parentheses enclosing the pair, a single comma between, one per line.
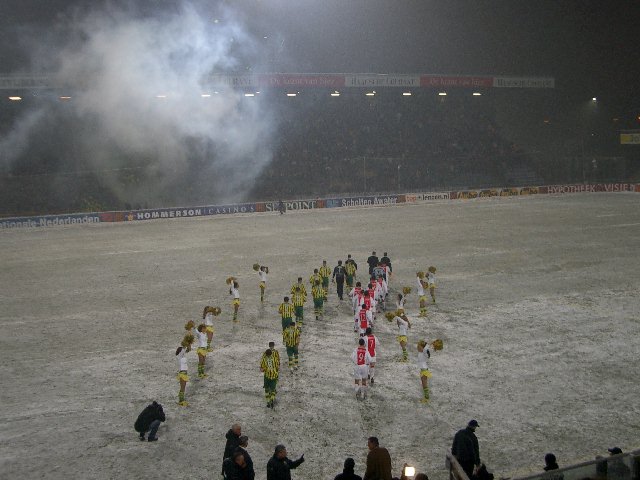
(325,273)
(317,292)
(298,298)
(270,367)
(286,311)
(315,278)
(291,337)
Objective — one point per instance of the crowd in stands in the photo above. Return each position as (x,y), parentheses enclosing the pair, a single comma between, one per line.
(323,145)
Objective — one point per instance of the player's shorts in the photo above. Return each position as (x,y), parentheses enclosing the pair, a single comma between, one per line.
(361,372)
(209,329)
(183,376)
(318,302)
(263,284)
(291,351)
(432,285)
(270,383)
(425,373)
(362,331)
(299,311)
(202,351)
(325,282)
(373,359)
(236,301)
(350,280)
(423,298)
(286,322)
(402,338)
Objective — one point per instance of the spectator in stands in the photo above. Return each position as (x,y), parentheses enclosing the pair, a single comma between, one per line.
(149,420)
(466,449)
(279,466)
(378,461)
(348,471)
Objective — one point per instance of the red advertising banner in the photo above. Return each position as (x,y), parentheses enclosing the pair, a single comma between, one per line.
(382,80)
(455,81)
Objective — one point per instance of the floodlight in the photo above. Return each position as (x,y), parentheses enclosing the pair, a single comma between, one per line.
(335,94)
(291,94)
(406,94)
(65,98)
(15,99)
(205,95)
(249,95)
(161,96)
(370,94)
(594,99)
(476,94)
(409,471)
(443,94)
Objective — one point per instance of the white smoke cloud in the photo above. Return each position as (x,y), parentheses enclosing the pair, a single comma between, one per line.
(115,62)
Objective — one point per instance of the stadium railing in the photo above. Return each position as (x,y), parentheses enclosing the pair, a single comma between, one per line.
(625,466)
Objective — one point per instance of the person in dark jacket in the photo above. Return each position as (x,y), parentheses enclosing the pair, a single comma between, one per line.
(236,468)
(387,261)
(244,443)
(348,471)
(149,420)
(279,466)
(465,448)
(339,275)
(378,461)
(373,261)
(233,441)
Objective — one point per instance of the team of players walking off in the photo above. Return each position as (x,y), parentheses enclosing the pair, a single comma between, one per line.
(369,302)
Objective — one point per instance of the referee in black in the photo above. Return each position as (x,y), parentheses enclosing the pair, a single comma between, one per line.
(338,277)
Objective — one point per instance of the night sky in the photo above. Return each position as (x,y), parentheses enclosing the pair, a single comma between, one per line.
(590,47)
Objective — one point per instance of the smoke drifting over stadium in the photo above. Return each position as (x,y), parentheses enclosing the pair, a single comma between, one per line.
(140,111)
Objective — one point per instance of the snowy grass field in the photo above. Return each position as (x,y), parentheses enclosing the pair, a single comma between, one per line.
(538,307)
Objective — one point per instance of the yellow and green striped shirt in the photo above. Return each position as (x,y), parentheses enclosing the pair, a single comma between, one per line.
(303,290)
(315,278)
(298,299)
(350,269)
(286,310)
(325,271)
(291,336)
(317,292)
(270,365)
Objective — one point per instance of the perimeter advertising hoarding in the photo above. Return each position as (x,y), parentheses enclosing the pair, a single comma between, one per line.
(427,196)
(183,212)
(50,220)
(366,201)
(590,188)
(496,192)
(290,205)
(630,137)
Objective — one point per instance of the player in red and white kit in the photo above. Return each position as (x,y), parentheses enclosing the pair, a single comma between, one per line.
(356,296)
(372,344)
(361,360)
(372,296)
(365,318)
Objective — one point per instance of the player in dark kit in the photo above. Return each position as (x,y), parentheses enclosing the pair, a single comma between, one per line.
(339,275)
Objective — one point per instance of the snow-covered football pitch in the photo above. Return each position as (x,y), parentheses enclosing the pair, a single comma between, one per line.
(537,304)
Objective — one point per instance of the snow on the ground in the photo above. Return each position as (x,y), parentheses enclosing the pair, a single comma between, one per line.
(537,306)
